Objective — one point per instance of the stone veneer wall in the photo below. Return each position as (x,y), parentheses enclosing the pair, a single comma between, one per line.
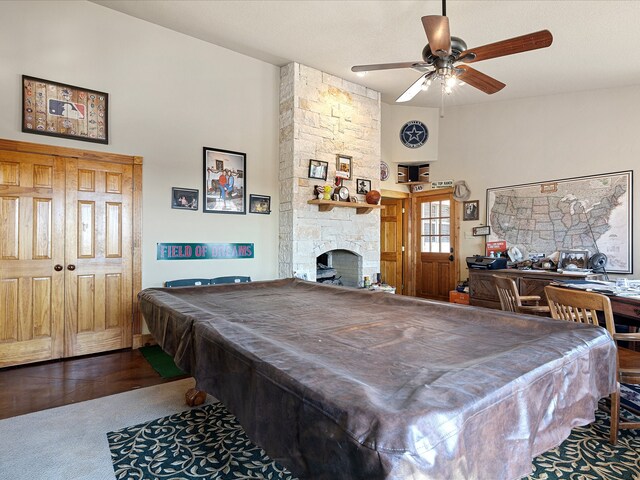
(321,116)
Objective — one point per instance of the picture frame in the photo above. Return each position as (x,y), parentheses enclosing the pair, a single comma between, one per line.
(318,169)
(363,186)
(578,258)
(67,111)
(481,231)
(184,198)
(471,210)
(224,177)
(260,204)
(343,166)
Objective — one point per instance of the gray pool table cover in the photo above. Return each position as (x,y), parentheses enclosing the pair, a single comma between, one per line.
(338,383)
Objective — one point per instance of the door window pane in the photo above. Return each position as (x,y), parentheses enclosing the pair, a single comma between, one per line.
(436,226)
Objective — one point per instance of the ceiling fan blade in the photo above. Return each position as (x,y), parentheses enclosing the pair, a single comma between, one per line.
(413,90)
(523,43)
(388,66)
(478,79)
(437,29)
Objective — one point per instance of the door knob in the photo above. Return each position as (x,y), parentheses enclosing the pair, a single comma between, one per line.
(451,258)
(57,268)
(71,267)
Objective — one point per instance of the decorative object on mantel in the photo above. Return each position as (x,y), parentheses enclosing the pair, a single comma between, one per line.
(384,171)
(342,193)
(373,197)
(461,191)
(61,110)
(414,134)
(363,186)
(343,166)
(318,169)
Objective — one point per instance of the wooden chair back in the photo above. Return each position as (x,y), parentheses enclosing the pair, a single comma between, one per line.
(507,293)
(579,306)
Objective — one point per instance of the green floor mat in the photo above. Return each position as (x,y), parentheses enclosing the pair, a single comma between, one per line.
(161,362)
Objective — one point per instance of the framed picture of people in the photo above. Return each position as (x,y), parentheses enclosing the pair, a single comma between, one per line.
(184,198)
(224,175)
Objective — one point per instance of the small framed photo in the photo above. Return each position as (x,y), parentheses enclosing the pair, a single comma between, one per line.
(363,186)
(481,231)
(573,260)
(260,204)
(471,210)
(225,176)
(184,198)
(61,110)
(318,169)
(343,167)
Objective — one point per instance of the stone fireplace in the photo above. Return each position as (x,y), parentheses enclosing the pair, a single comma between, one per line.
(322,116)
(342,268)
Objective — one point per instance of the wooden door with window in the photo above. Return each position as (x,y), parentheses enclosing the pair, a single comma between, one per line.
(31,257)
(99,257)
(392,243)
(435,230)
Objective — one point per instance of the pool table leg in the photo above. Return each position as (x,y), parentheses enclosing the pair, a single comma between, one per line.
(195,397)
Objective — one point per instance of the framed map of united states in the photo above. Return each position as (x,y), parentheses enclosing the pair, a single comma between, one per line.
(591,213)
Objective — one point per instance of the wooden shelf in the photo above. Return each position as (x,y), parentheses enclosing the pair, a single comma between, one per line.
(361,208)
(412,183)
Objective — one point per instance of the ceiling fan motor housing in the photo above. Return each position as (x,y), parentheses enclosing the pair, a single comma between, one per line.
(457,47)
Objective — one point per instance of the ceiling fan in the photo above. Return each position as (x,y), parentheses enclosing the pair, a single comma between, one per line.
(445,58)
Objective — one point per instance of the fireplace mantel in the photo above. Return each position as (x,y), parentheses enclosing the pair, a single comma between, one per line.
(361,208)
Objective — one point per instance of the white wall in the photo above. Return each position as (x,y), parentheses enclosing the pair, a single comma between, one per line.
(538,139)
(394,152)
(170,95)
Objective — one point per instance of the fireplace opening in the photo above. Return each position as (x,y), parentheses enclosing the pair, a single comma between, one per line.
(339,267)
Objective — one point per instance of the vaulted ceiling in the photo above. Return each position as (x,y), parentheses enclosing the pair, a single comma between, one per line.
(593,47)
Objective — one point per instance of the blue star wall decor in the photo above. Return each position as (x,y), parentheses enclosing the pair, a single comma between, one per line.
(414,134)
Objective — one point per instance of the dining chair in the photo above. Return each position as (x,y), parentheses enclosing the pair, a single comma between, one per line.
(583,307)
(512,301)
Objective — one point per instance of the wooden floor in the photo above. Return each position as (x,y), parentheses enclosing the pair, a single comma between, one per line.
(31,388)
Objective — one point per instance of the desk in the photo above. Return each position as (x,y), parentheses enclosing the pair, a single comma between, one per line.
(626,310)
(482,291)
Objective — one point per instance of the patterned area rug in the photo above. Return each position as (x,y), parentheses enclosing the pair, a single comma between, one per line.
(209,443)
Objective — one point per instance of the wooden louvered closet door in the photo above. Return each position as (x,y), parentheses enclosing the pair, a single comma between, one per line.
(66,255)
